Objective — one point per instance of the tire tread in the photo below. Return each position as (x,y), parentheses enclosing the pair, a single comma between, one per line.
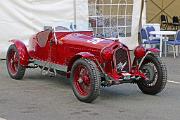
(96,77)
(21,70)
(162,78)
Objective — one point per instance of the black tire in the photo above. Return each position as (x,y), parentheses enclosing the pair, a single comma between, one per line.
(156,72)
(94,77)
(18,74)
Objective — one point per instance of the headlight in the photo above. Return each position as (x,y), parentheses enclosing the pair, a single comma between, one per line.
(107,54)
(139,52)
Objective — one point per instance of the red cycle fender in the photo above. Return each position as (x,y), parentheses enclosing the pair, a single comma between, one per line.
(23,53)
(154,50)
(85,55)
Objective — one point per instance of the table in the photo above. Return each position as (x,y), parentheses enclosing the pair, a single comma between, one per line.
(162,34)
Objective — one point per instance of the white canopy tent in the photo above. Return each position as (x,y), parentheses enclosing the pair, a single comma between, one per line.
(19,19)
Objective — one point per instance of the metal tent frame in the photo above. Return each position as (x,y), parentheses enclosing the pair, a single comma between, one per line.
(112,18)
(162,9)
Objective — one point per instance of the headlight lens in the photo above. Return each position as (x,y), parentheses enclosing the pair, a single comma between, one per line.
(139,52)
(107,54)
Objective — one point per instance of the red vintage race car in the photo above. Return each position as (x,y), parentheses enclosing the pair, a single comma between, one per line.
(89,62)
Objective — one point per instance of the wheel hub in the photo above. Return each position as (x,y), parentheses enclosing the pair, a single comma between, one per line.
(150,72)
(82,80)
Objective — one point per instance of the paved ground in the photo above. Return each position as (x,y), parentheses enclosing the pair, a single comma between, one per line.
(39,97)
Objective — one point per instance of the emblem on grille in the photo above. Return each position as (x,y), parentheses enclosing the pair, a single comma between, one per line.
(121,66)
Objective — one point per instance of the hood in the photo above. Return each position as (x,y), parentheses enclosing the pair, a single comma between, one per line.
(82,40)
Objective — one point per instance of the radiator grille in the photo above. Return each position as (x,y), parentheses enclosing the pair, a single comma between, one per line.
(122,61)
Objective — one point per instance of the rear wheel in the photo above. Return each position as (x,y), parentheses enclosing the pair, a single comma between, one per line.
(15,70)
(156,74)
(85,79)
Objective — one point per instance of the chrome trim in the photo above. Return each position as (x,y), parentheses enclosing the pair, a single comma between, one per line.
(55,37)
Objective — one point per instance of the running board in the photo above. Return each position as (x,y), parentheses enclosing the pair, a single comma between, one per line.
(58,67)
(49,68)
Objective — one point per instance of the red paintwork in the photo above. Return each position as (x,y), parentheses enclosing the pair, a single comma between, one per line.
(23,53)
(139,52)
(13,62)
(154,50)
(82,80)
(71,46)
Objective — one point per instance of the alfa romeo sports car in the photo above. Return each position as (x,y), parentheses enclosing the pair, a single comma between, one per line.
(89,63)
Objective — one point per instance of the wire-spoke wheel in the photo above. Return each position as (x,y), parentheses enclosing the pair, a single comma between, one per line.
(156,74)
(15,70)
(85,79)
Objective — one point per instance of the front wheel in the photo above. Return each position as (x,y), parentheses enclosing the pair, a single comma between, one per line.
(85,79)
(156,74)
(15,70)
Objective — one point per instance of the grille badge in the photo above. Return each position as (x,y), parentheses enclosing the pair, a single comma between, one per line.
(121,66)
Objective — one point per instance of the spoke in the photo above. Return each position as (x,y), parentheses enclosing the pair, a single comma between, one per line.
(13,61)
(150,71)
(82,80)
(85,87)
(81,72)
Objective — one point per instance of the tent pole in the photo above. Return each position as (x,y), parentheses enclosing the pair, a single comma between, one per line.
(144,12)
(75,14)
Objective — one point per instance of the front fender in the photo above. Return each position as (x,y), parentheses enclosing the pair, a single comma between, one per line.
(22,50)
(147,53)
(85,55)
(138,62)
(153,50)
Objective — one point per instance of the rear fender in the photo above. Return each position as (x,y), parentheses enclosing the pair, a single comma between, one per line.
(22,50)
(84,55)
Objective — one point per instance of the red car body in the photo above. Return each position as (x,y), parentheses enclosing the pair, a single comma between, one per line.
(71,46)
(60,50)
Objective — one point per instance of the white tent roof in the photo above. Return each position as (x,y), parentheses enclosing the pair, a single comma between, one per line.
(22,18)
